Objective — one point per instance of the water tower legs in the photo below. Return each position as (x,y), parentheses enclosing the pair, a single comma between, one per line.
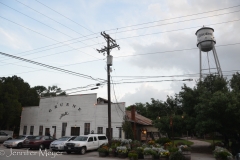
(217,63)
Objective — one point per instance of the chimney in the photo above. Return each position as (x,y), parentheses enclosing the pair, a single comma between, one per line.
(133,118)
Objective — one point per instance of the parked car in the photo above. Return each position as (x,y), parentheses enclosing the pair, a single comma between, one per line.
(58,145)
(17,142)
(4,136)
(84,143)
(39,142)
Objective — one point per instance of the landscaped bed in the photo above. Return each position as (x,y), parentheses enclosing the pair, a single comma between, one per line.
(162,149)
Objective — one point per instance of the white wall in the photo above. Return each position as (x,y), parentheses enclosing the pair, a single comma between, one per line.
(47,115)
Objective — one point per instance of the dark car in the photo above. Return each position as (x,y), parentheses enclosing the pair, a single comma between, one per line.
(40,142)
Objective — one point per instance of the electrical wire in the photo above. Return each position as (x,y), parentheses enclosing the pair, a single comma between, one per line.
(64,16)
(224,45)
(141,35)
(43,35)
(174,18)
(35,20)
(115,96)
(51,67)
(173,22)
(49,55)
(48,17)
(121,38)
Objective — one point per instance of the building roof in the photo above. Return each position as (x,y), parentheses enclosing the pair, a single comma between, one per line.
(139,118)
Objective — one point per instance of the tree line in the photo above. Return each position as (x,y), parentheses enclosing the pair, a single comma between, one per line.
(15,93)
(211,106)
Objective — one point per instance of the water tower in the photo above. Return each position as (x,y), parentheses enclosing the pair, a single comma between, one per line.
(206,42)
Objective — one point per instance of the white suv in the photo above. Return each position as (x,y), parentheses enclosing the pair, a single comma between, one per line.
(83,143)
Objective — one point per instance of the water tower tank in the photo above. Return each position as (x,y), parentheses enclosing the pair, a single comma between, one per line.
(205,39)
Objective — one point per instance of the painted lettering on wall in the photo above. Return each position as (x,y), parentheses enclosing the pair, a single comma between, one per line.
(67,105)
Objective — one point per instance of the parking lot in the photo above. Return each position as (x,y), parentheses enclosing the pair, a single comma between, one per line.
(26,154)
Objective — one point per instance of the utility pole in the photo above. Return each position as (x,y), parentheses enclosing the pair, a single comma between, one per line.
(111,43)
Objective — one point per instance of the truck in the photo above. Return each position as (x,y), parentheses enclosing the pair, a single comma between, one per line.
(84,143)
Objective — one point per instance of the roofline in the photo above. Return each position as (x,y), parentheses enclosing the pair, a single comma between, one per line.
(204,28)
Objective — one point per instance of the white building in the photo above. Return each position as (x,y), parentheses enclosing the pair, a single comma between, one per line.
(72,115)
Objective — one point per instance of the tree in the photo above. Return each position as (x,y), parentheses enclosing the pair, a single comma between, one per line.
(50,91)
(14,93)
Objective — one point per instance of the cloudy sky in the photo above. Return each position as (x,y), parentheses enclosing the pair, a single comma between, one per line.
(156,38)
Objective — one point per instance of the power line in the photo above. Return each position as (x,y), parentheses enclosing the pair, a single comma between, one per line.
(51,67)
(48,17)
(35,20)
(51,18)
(177,29)
(64,16)
(116,100)
(176,22)
(47,70)
(42,34)
(117,39)
(150,81)
(50,55)
(154,53)
(187,49)
(175,17)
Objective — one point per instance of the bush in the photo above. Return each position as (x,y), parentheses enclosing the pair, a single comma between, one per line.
(173,149)
(177,156)
(222,153)
(162,141)
(103,148)
(149,151)
(184,148)
(133,155)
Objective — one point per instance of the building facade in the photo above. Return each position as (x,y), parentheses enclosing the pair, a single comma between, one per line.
(71,115)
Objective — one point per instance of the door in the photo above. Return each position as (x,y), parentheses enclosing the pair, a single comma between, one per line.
(90,143)
(95,143)
(47,131)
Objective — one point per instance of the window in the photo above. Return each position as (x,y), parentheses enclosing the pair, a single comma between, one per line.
(64,126)
(47,131)
(100,130)
(90,139)
(75,131)
(86,128)
(102,137)
(24,130)
(31,130)
(40,130)
(120,132)
(95,138)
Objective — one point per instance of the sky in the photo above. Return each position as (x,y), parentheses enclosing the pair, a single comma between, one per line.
(156,38)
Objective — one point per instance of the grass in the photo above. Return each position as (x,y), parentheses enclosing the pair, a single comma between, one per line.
(183,141)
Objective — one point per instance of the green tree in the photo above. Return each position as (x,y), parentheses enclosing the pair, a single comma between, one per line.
(50,91)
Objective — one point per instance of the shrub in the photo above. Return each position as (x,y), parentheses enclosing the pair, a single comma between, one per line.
(177,156)
(133,155)
(163,153)
(149,151)
(122,149)
(103,148)
(162,141)
(222,153)
(173,149)
(184,148)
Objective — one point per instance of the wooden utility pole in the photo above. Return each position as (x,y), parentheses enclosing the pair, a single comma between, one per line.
(111,43)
